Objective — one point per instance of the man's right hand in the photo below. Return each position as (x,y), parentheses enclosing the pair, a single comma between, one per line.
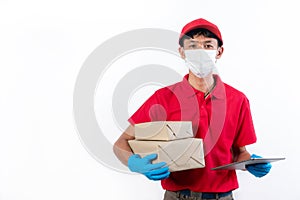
(157,171)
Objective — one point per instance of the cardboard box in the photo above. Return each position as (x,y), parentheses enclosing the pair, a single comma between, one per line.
(163,130)
(178,154)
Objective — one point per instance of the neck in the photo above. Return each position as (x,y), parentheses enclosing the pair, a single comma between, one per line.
(202,84)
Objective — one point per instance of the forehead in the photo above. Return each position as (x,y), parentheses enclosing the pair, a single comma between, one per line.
(200,39)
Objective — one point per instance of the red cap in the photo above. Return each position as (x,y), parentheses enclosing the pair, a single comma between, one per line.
(201,23)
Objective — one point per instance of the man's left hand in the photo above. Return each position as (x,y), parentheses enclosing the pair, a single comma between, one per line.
(259,170)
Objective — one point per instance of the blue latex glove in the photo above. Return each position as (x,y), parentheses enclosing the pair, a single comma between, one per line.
(157,171)
(259,170)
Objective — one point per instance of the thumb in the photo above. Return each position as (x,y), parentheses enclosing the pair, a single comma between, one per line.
(150,157)
(255,156)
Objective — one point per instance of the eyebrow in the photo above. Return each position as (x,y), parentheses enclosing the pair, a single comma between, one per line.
(195,41)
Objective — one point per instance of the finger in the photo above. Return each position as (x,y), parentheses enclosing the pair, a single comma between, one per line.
(255,169)
(150,157)
(160,177)
(159,171)
(260,174)
(157,177)
(151,167)
(261,166)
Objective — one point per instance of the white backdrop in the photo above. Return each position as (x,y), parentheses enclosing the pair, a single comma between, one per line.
(43,45)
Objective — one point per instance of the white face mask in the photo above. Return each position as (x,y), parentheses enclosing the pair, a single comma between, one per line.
(201,62)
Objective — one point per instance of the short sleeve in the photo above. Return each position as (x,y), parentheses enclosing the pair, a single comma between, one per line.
(151,110)
(245,131)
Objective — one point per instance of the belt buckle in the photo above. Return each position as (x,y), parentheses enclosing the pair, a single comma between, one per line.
(189,194)
(184,193)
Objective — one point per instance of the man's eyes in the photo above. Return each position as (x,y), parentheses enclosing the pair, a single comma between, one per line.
(194,46)
(208,46)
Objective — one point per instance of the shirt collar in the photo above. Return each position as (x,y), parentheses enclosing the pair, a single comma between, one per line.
(219,91)
(188,91)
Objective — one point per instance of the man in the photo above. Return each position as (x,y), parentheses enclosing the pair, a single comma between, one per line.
(219,113)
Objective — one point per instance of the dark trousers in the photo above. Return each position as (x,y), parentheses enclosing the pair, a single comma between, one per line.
(169,195)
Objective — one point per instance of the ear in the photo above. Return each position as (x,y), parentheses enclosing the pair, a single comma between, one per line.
(219,52)
(181,52)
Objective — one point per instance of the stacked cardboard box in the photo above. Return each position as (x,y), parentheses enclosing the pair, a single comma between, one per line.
(173,141)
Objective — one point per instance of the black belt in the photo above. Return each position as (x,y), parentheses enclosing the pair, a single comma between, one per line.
(203,195)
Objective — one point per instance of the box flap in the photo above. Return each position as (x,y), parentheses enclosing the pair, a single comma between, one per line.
(186,151)
(163,130)
(180,130)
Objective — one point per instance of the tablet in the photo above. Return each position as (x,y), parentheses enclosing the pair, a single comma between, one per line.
(241,165)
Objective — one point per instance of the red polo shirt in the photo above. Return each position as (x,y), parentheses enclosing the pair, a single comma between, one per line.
(222,119)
